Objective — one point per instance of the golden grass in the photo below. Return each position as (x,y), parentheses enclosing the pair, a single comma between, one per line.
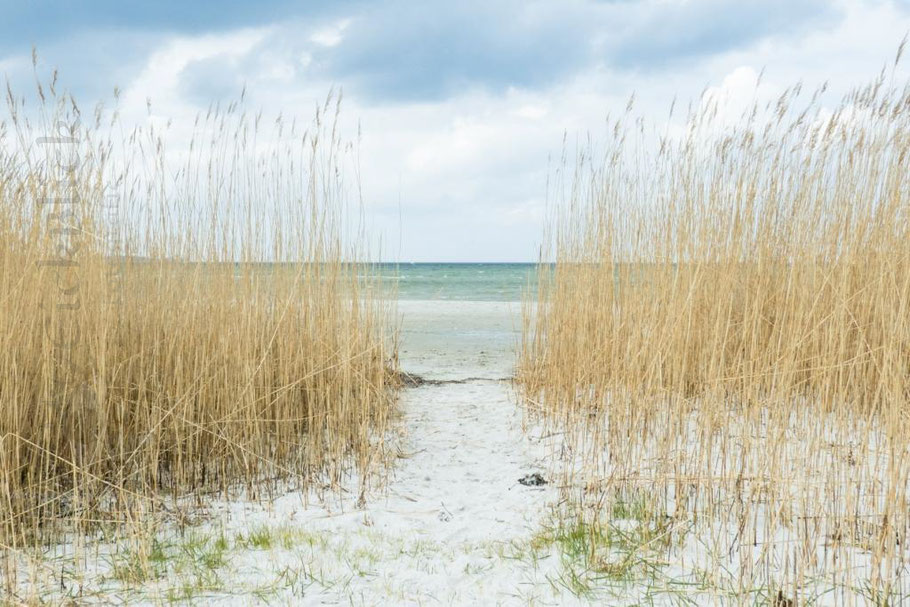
(179,321)
(727,326)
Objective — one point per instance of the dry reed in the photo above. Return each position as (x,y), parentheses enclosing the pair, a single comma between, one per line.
(178,321)
(726,333)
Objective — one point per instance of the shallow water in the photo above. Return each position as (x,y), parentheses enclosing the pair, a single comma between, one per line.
(459,339)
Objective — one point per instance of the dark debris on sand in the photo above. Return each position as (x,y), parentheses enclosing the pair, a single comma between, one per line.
(532,480)
(412,380)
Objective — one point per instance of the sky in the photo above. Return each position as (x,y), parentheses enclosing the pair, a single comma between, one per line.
(461,107)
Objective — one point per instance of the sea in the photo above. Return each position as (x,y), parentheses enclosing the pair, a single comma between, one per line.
(459,281)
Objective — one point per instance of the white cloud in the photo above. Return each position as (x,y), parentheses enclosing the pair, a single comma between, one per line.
(332,35)
(532,112)
(735,96)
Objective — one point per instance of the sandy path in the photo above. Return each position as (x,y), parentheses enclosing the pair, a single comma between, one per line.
(467,446)
(454,501)
(466,455)
(442,530)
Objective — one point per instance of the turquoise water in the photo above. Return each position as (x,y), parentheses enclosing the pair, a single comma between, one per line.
(443,281)
(460,281)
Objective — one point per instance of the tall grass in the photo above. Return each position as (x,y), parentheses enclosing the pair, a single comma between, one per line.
(726,328)
(183,318)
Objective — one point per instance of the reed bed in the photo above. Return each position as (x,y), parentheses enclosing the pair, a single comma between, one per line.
(725,336)
(179,319)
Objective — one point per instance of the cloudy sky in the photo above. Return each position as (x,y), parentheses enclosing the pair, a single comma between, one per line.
(461,104)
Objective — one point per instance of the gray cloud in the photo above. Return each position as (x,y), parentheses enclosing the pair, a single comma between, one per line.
(672,33)
(396,50)
(427,52)
(46,22)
